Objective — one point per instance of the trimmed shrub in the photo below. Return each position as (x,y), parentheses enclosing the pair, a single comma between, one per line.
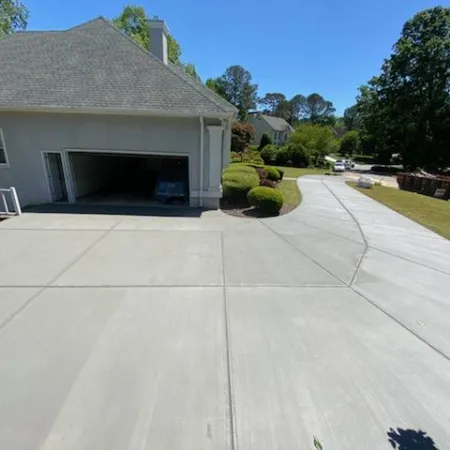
(252,157)
(269,154)
(281,172)
(273,174)
(232,168)
(284,156)
(265,199)
(237,182)
(301,157)
(267,183)
(265,140)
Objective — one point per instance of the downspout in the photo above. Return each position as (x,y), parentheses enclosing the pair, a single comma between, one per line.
(200,201)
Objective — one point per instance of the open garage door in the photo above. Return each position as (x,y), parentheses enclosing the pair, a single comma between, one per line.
(129,179)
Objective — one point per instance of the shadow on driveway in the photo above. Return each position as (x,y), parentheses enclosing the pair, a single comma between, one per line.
(402,439)
(152,211)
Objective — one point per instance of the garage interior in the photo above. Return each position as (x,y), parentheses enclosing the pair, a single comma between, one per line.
(118,179)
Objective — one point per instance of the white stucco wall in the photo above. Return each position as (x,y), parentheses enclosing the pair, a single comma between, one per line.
(27,134)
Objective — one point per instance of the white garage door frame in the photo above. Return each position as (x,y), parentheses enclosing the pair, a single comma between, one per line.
(68,173)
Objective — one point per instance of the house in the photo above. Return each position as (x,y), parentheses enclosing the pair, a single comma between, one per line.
(276,127)
(88,115)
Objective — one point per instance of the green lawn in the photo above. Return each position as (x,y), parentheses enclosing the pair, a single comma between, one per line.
(428,211)
(290,192)
(294,172)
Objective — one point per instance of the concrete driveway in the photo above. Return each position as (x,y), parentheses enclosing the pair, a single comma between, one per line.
(124,332)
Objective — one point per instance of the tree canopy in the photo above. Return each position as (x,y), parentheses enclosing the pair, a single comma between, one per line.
(13,16)
(312,109)
(406,109)
(237,87)
(315,109)
(133,21)
(351,118)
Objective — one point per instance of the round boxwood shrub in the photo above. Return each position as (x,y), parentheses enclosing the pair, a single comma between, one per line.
(265,199)
(238,168)
(281,172)
(269,154)
(237,183)
(273,174)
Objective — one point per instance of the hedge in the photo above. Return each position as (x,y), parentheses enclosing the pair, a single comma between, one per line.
(273,173)
(265,199)
(237,182)
(269,154)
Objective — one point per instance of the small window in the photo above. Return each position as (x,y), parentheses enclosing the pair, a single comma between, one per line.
(3,154)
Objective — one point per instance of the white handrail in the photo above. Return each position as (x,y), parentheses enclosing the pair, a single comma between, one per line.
(14,199)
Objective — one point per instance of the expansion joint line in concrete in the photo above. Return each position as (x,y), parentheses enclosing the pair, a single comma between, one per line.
(230,397)
(405,327)
(39,292)
(302,253)
(366,244)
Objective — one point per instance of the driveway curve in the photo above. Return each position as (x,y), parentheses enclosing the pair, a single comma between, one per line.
(213,332)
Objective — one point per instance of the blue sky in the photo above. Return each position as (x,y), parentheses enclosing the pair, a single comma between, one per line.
(290,46)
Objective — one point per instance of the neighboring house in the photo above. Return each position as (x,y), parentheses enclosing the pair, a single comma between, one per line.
(276,127)
(88,112)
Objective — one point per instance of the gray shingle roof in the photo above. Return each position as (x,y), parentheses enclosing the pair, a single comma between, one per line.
(94,66)
(277,123)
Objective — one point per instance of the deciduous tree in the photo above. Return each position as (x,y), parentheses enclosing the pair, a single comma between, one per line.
(406,109)
(133,21)
(191,70)
(218,86)
(351,118)
(350,143)
(314,140)
(13,16)
(241,136)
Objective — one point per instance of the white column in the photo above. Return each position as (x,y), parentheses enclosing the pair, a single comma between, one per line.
(226,151)
(215,157)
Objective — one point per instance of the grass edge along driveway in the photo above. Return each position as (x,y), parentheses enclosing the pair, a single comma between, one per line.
(430,212)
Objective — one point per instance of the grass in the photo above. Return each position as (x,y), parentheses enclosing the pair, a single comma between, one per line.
(294,172)
(290,192)
(430,212)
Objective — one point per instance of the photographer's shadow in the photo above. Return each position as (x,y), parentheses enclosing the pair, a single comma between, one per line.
(402,439)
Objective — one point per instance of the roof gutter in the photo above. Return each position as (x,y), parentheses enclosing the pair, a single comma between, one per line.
(112,111)
(200,200)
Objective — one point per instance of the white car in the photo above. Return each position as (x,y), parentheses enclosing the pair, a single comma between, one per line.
(349,164)
(339,166)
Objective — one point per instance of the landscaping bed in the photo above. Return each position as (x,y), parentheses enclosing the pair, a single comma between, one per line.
(257,191)
(250,211)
